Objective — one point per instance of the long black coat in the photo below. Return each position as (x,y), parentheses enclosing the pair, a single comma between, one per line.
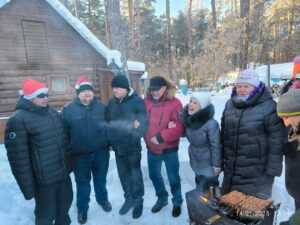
(36,146)
(252,139)
(120,116)
(86,126)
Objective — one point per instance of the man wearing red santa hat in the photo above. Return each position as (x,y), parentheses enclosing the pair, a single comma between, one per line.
(37,147)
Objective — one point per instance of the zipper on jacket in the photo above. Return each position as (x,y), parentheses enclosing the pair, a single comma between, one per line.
(160,118)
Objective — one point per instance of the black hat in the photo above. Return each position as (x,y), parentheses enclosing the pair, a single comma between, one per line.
(157,82)
(120,81)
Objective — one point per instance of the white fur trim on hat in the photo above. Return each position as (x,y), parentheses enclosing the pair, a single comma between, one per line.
(36,93)
(203,98)
(77,86)
(248,76)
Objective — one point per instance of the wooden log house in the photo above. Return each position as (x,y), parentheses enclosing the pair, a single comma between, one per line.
(40,39)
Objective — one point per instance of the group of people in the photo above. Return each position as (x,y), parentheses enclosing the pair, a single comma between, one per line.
(44,146)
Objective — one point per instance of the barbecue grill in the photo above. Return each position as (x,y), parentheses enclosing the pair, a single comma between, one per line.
(234,208)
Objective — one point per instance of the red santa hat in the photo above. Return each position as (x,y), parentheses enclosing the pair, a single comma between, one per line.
(32,88)
(296,68)
(83,83)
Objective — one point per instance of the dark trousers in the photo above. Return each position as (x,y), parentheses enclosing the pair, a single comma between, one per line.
(86,166)
(172,166)
(52,203)
(203,183)
(131,177)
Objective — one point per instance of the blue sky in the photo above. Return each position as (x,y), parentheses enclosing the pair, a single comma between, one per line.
(175,6)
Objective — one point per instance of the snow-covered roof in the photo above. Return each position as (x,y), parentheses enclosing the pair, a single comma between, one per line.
(109,54)
(277,71)
(3,2)
(136,66)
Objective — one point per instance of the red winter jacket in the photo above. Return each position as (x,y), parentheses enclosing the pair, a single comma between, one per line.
(160,113)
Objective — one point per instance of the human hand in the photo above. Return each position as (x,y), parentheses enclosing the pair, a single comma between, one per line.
(171,124)
(217,171)
(136,124)
(154,140)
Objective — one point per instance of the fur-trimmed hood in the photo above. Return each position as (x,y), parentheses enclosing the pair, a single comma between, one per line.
(168,95)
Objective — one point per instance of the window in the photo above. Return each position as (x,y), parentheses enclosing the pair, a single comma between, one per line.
(35,40)
(59,84)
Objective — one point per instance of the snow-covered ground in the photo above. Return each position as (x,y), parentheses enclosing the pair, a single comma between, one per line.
(14,210)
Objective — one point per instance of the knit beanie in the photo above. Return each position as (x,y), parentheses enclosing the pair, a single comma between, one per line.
(120,81)
(32,88)
(289,103)
(203,98)
(83,83)
(296,68)
(157,82)
(248,76)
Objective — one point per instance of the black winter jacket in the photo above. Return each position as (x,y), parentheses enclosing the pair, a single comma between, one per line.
(36,146)
(252,139)
(120,116)
(86,126)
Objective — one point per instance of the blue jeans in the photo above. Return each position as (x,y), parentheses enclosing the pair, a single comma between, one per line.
(96,165)
(172,166)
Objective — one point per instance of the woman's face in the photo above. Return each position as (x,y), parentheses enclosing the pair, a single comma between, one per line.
(193,106)
(243,90)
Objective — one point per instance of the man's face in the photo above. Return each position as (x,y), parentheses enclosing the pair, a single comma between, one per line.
(41,100)
(86,97)
(157,94)
(119,92)
(244,89)
(293,121)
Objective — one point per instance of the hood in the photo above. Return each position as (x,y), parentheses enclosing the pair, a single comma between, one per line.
(258,96)
(198,119)
(168,95)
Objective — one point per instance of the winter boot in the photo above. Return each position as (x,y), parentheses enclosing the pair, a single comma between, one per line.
(106,206)
(127,205)
(160,203)
(137,209)
(82,218)
(176,211)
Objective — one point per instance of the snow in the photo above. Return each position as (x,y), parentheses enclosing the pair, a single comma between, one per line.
(14,210)
(108,54)
(3,2)
(136,66)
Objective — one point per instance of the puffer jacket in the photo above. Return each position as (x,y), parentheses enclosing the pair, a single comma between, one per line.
(252,139)
(120,116)
(86,126)
(160,113)
(36,146)
(203,133)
